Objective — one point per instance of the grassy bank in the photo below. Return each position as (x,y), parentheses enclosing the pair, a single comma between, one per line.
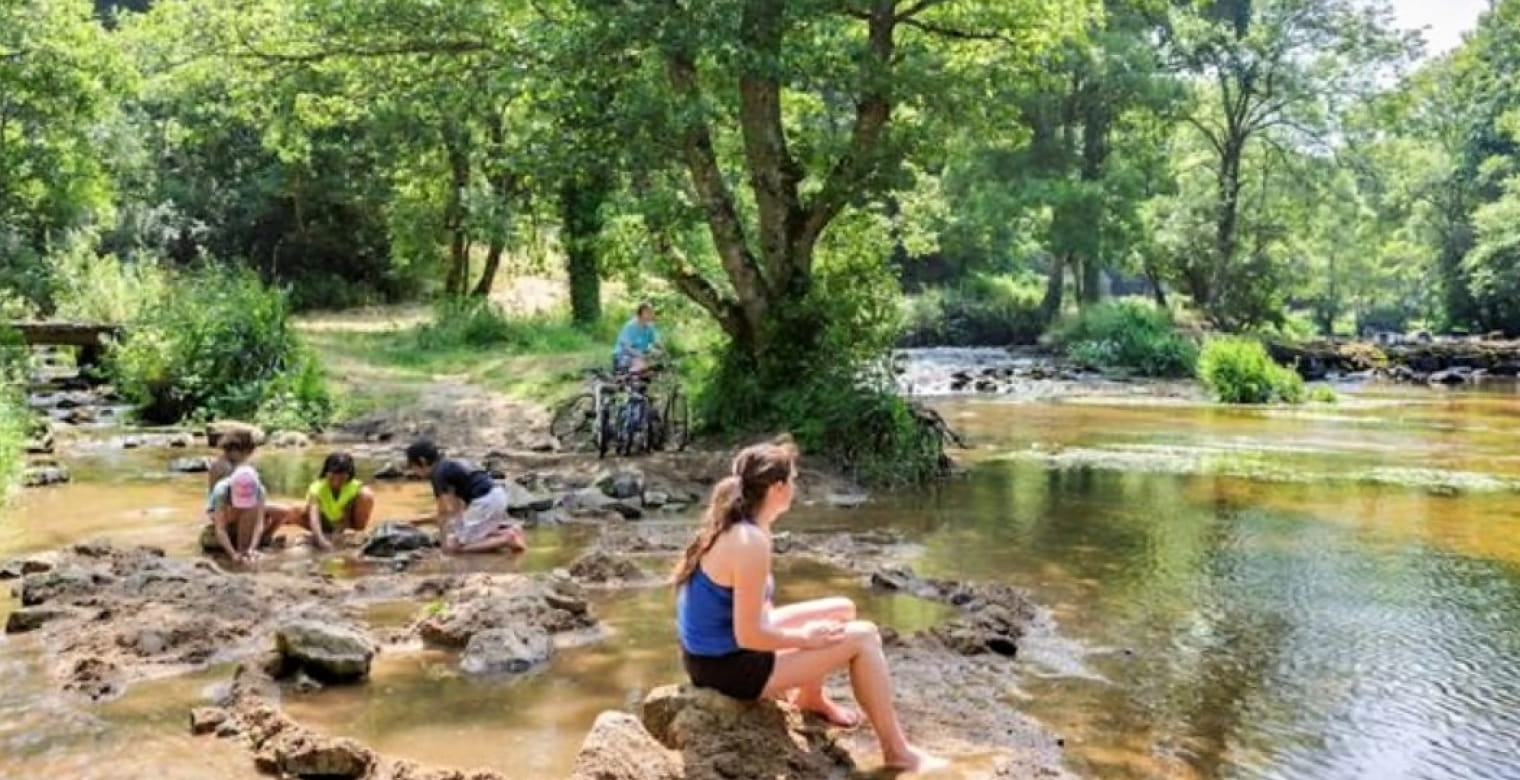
(386,358)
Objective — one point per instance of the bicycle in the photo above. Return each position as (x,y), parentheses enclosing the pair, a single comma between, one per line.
(619,412)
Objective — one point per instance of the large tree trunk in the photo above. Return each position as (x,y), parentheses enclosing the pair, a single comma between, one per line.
(1055,287)
(504,189)
(454,212)
(581,200)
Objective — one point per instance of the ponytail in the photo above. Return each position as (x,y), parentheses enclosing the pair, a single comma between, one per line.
(724,509)
(736,498)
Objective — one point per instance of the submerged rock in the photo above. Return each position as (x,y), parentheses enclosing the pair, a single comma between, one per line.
(619,748)
(196,465)
(510,650)
(621,483)
(601,567)
(330,653)
(290,440)
(521,501)
(393,538)
(17,568)
(43,476)
(206,720)
(32,618)
(390,471)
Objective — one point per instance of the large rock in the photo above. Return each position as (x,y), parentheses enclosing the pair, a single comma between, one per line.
(510,650)
(601,567)
(64,583)
(32,618)
(619,748)
(521,501)
(206,720)
(488,603)
(719,737)
(329,653)
(300,753)
(290,440)
(196,465)
(391,539)
(592,502)
(42,476)
(20,567)
(621,483)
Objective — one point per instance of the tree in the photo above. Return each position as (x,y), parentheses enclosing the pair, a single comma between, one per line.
(1274,74)
(60,81)
(827,101)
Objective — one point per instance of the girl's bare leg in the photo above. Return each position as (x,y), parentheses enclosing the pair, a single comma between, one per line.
(362,509)
(810,696)
(871,680)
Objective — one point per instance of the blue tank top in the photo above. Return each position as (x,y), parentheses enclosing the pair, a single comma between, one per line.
(705,615)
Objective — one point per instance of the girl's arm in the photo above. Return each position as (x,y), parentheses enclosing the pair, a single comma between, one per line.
(752,626)
(258,531)
(219,519)
(314,520)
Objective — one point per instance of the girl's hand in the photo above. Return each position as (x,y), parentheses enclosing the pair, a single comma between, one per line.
(822,633)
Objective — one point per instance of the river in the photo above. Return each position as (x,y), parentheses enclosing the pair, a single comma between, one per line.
(1331,591)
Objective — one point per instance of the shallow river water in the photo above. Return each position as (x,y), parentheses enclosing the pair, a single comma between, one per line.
(1325,592)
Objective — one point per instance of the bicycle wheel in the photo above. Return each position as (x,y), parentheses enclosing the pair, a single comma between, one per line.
(677,422)
(606,431)
(574,423)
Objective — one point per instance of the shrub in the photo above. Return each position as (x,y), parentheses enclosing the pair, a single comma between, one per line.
(1239,371)
(979,311)
(1321,394)
(220,345)
(15,418)
(1131,334)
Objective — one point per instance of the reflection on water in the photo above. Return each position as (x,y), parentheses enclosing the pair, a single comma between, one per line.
(1209,626)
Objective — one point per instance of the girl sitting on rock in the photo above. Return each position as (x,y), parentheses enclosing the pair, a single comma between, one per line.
(734,640)
(337,501)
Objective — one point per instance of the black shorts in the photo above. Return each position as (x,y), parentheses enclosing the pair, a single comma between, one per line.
(741,674)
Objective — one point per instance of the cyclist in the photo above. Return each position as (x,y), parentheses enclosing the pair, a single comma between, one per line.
(637,343)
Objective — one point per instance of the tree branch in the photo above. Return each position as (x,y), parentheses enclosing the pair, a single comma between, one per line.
(774,173)
(717,201)
(860,160)
(942,31)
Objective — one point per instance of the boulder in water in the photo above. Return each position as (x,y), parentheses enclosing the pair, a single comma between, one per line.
(601,567)
(521,501)
(393,538)
(330,653)
(719,737)
(42,476)
(619,748)
(32,618)
(190,465)
(206,720)
(390,471)
(510,650)
(290,440)
(621,483)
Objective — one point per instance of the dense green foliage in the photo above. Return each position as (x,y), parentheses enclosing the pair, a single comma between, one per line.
(980,310)
(1239,371)
(1255,163)
(220,345)
(1129,334)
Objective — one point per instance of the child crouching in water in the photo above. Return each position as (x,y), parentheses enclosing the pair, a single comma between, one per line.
(230,511)
(472,508)
(337,500)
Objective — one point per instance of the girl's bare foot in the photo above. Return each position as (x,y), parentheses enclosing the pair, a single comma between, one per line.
(917,761)
(835,714)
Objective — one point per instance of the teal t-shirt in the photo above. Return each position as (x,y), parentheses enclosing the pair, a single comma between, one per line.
(635,338)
